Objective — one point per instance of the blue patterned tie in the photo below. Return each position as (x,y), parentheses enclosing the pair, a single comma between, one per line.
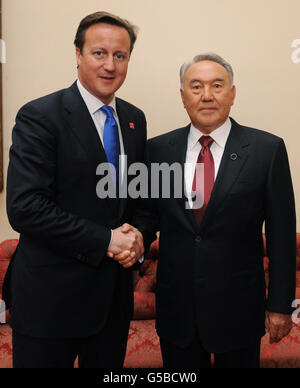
(112,142)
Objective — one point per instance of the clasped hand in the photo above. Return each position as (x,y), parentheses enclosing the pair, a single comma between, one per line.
(126,246)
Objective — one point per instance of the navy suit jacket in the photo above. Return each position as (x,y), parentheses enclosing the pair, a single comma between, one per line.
(211,278)
(60,282)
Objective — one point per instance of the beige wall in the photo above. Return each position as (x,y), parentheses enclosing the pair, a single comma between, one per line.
(255,36)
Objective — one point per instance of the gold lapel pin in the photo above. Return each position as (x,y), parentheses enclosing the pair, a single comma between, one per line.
(233,157)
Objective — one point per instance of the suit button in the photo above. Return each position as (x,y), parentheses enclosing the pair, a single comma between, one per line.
(81,258)
(198,239)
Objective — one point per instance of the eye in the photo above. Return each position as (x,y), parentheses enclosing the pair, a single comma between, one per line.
(99,53)
(196,87)
(218,86)
(120,57)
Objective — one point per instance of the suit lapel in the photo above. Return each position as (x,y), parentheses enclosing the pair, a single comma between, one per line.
(128,134)
(129,142)
(83,127)
(178,147)
(234,158)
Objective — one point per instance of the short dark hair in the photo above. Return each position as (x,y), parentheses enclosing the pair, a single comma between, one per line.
(104,17)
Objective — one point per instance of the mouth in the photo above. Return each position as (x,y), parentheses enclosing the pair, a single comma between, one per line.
(107,79)
(207,109)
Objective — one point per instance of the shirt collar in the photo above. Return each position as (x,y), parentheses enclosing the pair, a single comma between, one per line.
(93,103)
(220,135)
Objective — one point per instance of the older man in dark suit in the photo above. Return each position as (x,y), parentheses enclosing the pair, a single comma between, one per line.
(211,294)
(66,296)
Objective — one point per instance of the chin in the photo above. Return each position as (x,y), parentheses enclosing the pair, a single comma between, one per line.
(208,123)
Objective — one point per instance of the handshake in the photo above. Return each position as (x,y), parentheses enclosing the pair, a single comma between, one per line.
(126,246)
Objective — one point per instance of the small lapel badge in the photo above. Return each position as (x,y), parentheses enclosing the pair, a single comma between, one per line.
(131,125)
(233,157)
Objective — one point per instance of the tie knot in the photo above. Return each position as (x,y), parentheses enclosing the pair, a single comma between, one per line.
(206,141)
(108,110)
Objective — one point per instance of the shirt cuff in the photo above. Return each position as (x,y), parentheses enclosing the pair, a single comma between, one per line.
(111,237)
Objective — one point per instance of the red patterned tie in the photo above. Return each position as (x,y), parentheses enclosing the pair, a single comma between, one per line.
(208,180)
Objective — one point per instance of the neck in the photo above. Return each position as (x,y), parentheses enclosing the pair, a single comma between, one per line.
(106,100)
(207,130)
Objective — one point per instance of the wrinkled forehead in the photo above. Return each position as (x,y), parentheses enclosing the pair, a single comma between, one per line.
(206,71)
(107,34)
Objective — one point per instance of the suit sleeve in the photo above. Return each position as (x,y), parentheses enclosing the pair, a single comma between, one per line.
(146,217)
(281,234)
(31,206)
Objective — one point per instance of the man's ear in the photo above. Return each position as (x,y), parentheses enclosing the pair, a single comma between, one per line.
(233,91)
(78,56)
(182,97)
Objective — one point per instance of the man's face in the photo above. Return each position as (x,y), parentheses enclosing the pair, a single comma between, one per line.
(207,95)
(103,62)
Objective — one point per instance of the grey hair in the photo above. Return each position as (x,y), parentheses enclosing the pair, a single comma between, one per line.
(206,57)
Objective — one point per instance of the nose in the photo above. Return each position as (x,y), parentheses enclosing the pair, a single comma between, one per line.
(109,64)
(207,94)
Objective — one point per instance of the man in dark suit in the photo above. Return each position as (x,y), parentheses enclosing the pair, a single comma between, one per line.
(67,298)
(211,293)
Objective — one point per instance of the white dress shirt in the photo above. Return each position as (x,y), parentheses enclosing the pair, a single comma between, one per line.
(94,106)
(220,136)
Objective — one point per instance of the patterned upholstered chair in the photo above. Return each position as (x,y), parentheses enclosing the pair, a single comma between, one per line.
(7,249)
(143,350)
(143,344)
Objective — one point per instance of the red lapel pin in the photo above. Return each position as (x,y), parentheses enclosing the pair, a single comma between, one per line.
(131,125)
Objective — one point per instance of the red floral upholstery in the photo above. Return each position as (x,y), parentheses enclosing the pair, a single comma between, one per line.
(5,347)
(143,349)
(286,354)
(7,249)
(266,262)
(144,294)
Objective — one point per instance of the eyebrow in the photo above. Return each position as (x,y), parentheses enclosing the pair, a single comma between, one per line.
(198,80)
(97,48)
(103,49)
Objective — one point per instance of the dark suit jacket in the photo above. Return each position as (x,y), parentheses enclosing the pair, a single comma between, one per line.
(212,278)
(60,282)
